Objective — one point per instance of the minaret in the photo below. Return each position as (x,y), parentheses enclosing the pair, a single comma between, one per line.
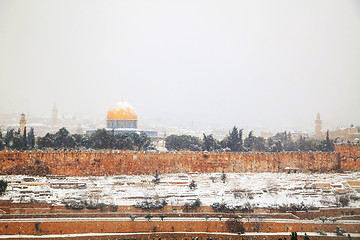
(318,125)
(54,117)
(22,124)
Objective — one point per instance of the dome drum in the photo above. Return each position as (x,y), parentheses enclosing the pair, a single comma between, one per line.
(121,123)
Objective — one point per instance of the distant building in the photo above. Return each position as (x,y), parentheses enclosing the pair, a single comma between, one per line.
(318,126)
(22,124)
(122,118)
(350,134)
(295,136)
(121,115)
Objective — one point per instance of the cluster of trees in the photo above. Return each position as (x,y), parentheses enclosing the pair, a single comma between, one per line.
(14,140)
(62,139)
(234,142)
(102,139)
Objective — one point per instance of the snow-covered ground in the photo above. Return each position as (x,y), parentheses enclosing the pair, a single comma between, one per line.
(239,189)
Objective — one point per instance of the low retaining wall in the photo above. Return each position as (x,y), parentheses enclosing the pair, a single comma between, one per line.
(110,226)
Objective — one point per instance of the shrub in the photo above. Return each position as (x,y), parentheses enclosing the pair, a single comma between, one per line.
(91,206)
(354,198)
(3,186)
(113,208)
(223,177)
(148,204)
(133,217)
(149,216)
(102,206)
(293,236)
(222,207)
(344,201)
(306,237)
(74,206)
(339,231)
(193,205)
(234,225)
(192,185)
(321,232)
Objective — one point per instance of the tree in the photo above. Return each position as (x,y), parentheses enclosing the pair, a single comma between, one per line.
(258,144)
(183,142)
(289,145)
(249,142)
(31,139)
(2,143)
(47,141)
(124,142)
(301,144)
(209,143)
(8,138)
(79,140)
(223,177)
(3,186)
(141,141)
(328,145)
(156,179)
(24,141)
(101,139)
(17,142)
(63,139)
(234,140)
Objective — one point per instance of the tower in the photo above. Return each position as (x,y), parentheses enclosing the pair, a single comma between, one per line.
(54,117)
(22,124)
(318,126)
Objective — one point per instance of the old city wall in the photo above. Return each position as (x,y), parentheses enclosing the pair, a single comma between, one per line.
(349,157)
(97,163)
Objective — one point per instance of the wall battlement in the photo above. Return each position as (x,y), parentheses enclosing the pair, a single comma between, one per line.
(98,163)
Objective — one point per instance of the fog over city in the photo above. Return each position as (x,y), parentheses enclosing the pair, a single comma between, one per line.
(253,64)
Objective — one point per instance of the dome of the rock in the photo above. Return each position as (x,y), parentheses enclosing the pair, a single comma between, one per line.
(122,111)
(122,115)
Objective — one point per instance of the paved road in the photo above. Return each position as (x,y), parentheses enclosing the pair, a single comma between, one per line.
(139,219)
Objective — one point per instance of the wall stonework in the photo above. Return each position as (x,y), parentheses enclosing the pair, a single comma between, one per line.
(98,163)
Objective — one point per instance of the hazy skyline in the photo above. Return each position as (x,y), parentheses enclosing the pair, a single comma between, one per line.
(273,64)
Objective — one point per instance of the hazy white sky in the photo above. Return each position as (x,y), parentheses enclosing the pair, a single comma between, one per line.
(264,63)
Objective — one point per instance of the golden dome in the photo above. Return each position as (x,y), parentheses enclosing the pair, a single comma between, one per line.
(122,111)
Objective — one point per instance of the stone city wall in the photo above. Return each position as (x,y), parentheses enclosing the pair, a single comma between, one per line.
(98,163)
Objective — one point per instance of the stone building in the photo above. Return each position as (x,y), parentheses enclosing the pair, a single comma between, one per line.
(122,118)
(22,124)
(340,135)
(121,115)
